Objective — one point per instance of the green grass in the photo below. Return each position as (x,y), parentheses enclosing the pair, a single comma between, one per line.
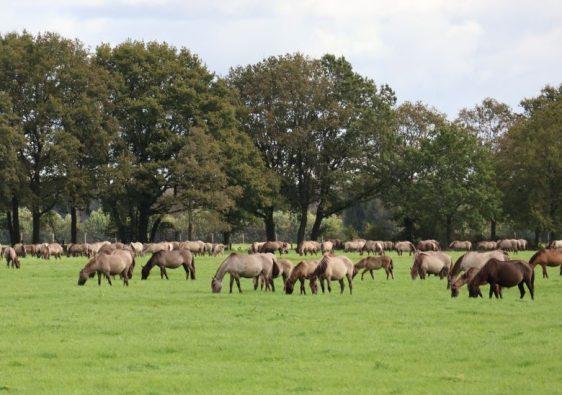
(160,336)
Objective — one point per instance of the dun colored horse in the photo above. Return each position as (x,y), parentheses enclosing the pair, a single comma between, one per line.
(246,266)
(465,279)
(505,274)
(375,263)
(547,257)
(335,268)
(430,262)
(119,262)
(303,271)
(170,260)
(11,257)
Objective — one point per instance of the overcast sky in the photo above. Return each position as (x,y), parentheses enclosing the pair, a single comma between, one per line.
(450,54)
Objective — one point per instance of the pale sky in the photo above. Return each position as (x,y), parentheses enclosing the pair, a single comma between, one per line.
(450,54)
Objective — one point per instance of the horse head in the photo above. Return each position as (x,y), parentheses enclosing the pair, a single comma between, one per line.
(216,285)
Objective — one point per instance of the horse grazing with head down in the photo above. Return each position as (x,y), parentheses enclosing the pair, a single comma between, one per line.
(11,257)
(430,262)
(465,278)
(245,266)
(473,259)
(170,260)
(547,257)
(335,268)
(505,274)
(303,271)
(119,262)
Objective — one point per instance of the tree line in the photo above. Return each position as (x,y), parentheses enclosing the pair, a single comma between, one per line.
(145,131)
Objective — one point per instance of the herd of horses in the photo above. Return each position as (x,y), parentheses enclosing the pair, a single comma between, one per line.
(473,269)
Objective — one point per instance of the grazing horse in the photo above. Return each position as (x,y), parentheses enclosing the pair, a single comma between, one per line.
(473,259)
(374,263)
(303,271)
(119,262)
(170,260)
(505,274)
(460,245)
(402,246)
(465,279)
(335,268)
(11,257)
(372,246)
(547,257)
(430,262)
(246,266)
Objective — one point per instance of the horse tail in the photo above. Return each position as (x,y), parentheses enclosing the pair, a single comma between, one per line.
(275,270)
(192,271)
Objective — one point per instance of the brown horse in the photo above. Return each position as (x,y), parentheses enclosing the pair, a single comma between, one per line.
(547,257)
(303,271)
(246,266)
(119,262)
(505,274)
(473,259)
(465,279)
(374,263)
(170,260)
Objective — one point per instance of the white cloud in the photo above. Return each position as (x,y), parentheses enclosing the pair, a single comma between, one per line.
(447,53)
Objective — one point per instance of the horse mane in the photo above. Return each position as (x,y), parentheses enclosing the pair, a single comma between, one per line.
(536,255)
(456,267)
(322,265)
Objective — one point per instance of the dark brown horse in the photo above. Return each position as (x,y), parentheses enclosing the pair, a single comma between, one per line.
(506,274)
(171,260)
(464,279)
(547,257)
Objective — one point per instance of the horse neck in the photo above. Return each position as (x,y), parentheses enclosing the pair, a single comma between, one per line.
(221,271)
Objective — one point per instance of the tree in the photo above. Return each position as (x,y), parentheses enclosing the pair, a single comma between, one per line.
(11,141)
(530,165)
(40,74)
(489,121)
(313,122)
(163,97)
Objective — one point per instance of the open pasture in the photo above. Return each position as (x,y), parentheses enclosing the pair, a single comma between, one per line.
(390,336)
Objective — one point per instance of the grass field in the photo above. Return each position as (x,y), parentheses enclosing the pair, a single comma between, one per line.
(161,336)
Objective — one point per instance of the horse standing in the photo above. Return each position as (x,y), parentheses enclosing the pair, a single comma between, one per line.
(170,260)
(547,257)
(505,274)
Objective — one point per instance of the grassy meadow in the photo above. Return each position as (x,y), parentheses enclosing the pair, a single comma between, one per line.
(158,336)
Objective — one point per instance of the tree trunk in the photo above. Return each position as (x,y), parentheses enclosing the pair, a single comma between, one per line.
(315,232)
(9,226)
(73,225)
(302,226)
(154,229)
(449,230)
(36,218)
(537,237)
(226,240)
(189,225)
(493,225)
(16,220)
(144,217)
(409,229)
(269,225)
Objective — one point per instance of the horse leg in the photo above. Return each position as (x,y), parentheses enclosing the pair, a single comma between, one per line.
(186,268)
(329,283)
(363,274)
(342,285)
(322,284)
(521,289)
(350,283)
(303,289)
(544,273)
(125,276)
(99,279)
(256,282)
(161,273)
(165,273)
(372,275)
(108,278)
(531,287)
(491,290)
(238,284)
(272,284)
(232,282)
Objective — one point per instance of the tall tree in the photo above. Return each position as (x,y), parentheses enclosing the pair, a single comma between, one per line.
(163,97)
(38,75)
(489,121)
(530,165)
